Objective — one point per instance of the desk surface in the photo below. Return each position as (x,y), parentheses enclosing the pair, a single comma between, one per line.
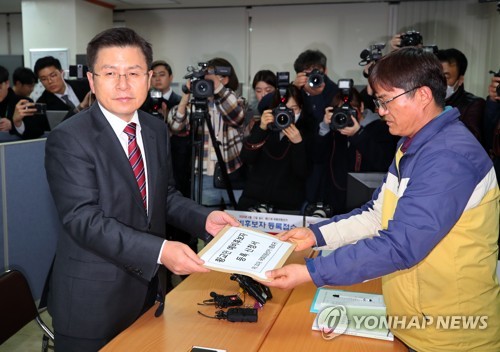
(284,324)
(292,330)
(180,327)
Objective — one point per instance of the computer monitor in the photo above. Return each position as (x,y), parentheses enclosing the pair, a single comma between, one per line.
(55,117)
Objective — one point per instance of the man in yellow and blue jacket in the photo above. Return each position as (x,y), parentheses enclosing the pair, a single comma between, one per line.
(430,230)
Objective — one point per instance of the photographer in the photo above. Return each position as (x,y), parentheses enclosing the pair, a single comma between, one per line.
(470,106)
(357,140)
(276,152)
(492,122)
(227,115)
(18,115)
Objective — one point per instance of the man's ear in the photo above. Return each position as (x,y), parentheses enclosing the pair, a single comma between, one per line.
(424,95)
(461,80)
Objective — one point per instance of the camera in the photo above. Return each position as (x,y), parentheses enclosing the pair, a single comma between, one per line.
(283,116)
(373,53)
(262,208)
(342,115)
(497,74)
(78,71)
(202,88)
(156,98)
(41,108)
(411,38)
(318,210)
(315,78)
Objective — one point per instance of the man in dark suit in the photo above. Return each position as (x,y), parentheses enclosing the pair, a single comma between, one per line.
(113,214)
(18,115)
(59,94)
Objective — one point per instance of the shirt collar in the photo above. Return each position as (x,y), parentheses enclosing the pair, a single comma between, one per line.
(117,123)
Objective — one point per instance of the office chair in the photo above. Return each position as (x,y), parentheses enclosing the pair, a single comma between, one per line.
(17,307)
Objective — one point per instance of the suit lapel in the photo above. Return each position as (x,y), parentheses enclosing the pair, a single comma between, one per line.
(152,157)
(111,147)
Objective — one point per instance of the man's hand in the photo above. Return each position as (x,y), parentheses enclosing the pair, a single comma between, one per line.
(303,236)
(492,89)
(23,108)
(266,118)
(217,220)
(293,134)
(300,80)
(180,259)
(288,276)
(351,131)
(5,124)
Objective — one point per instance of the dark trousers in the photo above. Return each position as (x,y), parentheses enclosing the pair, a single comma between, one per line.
(64,343)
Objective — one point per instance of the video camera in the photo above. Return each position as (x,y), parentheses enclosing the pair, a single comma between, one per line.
(315,78)
(283,116)
(373,53)
(318,210)
(202,88)
(497,74)
(342,115)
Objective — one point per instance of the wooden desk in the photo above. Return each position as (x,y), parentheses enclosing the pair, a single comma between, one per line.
(292,330)
(180,327)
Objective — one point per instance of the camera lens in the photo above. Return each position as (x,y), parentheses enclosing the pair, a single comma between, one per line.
(340,120)
(315,80)
(202,88)
(282,120)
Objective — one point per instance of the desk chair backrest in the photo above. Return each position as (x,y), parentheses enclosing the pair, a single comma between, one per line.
(17,306)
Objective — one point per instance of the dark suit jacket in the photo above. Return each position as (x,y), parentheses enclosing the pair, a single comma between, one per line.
(34,126)
(108,249)
(80,87)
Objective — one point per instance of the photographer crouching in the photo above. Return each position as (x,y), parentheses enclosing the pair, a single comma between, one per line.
(275,150)
(352,139)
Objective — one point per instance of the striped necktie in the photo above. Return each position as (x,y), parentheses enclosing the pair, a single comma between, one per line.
(135,159)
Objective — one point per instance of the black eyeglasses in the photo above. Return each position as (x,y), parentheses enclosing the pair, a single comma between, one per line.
(383,104)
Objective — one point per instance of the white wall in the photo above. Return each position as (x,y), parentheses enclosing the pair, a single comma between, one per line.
(278,35)
(11,34)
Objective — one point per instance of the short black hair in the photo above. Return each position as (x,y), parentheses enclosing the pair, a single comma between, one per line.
(309,59)
(454,56)
(408,68)
(267,76)
(162,63)
(47,61)
(4,74)
(118,37)
(24,75)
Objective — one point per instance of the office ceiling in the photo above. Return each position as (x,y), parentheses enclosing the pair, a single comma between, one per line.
(14,6)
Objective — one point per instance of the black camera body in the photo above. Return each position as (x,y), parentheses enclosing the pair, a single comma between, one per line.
(411,38)
(202,88)
(41,108)
(156,99)
(315,78)
(373,53)
(497,74)
(341,117)
(283,116)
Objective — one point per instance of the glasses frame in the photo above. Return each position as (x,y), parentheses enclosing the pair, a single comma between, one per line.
(383,104)
(50,77)
(115,77)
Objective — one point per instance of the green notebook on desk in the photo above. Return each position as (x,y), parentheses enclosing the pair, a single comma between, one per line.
(350,313)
